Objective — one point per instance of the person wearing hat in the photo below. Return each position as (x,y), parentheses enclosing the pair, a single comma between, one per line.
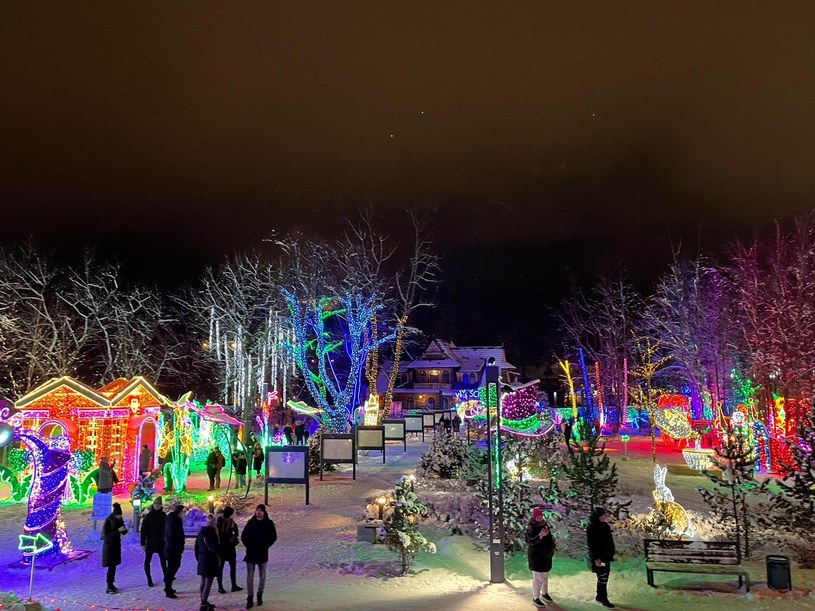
(173,546)
(228,537)
(601,552)
(152,538)
(112,532)
(257,537)
(540,547)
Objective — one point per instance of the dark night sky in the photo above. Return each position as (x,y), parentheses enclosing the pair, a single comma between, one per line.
(550,135)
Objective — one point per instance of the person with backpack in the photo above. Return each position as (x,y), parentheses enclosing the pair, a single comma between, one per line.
(258,536)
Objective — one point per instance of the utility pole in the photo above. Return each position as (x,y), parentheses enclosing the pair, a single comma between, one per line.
(494,473)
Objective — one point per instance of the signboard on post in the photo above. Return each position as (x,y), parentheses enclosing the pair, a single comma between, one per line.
(371,438)
(102,506)
(395,431)
(414,424)
(429,421)
(287,465)
(338,448)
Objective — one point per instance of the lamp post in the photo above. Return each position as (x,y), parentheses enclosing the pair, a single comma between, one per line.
(211,500)
(381,503)
(496,521)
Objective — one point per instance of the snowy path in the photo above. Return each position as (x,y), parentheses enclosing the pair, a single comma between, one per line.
(317,563)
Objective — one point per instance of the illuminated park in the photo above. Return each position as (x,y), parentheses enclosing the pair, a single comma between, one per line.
(378,306)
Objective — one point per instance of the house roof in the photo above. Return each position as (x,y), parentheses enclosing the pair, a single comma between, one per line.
(113,388)
(471,359)
(62,387)
(139,385)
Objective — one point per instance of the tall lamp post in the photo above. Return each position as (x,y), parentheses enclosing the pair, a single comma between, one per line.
(494,473)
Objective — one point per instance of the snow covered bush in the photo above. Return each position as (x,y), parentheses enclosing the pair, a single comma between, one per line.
(314,454)
(540,457)
(448,456)
(400,531)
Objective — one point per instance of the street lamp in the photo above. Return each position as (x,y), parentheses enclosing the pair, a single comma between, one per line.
(211,500)
(496,521)
(381,502)
(137,514)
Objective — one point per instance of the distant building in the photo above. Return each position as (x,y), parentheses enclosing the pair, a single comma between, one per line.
(431,381)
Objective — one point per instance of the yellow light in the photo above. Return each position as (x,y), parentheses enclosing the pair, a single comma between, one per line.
(381,500)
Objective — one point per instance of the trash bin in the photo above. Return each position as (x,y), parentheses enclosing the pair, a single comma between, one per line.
(779,576)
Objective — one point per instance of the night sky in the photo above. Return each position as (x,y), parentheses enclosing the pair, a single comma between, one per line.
(552,137)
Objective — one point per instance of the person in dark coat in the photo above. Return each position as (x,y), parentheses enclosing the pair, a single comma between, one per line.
(257,458)
(448,425)
(540,547)
(229,539)
(568,423)
(239,460)
(257,537)
(601,552)
(106,477)
(456,424)
(144,459)
(300,432)
(112,531)
(173,547)
(206,553)
(288,433)
(152,538)
(215,461)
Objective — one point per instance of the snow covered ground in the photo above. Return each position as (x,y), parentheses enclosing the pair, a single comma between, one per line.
(318,564)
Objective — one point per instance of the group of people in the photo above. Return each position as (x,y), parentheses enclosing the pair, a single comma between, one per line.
(450,425)
(162,534)
(541,550)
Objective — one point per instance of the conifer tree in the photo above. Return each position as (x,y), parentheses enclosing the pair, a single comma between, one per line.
(729,499)
(593,477)
(400,530)
(792,508)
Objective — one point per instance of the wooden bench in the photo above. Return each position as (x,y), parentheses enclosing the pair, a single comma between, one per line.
(710,557)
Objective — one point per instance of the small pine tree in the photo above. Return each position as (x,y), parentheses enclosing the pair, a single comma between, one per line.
(792,508)
(448,456)
(593,478)
(314,454)
(517,508)
(400,532)
(729,499)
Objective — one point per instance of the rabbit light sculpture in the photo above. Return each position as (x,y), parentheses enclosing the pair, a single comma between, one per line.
(673,513)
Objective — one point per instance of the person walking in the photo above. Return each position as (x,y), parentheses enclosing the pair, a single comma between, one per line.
(601,552)
(568,423)
(257,458)
(300,432)
(144,460)
(229,539)
(152,539)
(173,546)
(221,464)
(288,433)
(448,425)
(206,554)
(112,531)
(540,547)
(239,460)
(456,424)
(257,537)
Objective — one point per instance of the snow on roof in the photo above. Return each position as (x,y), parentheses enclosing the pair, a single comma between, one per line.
(425,363)
(472,358)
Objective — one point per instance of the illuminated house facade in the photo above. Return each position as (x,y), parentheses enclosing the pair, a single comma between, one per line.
(432,380)
(114,421)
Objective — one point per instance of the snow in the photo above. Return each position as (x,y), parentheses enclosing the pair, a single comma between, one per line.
(318,564)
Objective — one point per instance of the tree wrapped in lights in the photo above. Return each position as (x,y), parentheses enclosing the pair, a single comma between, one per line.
(177,442)
(792,508)
(330,347)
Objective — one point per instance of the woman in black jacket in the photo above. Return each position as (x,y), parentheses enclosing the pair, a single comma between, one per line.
(601,552)
(112,532)
(540,547)
(228,536)
(206,553)
(258,536)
